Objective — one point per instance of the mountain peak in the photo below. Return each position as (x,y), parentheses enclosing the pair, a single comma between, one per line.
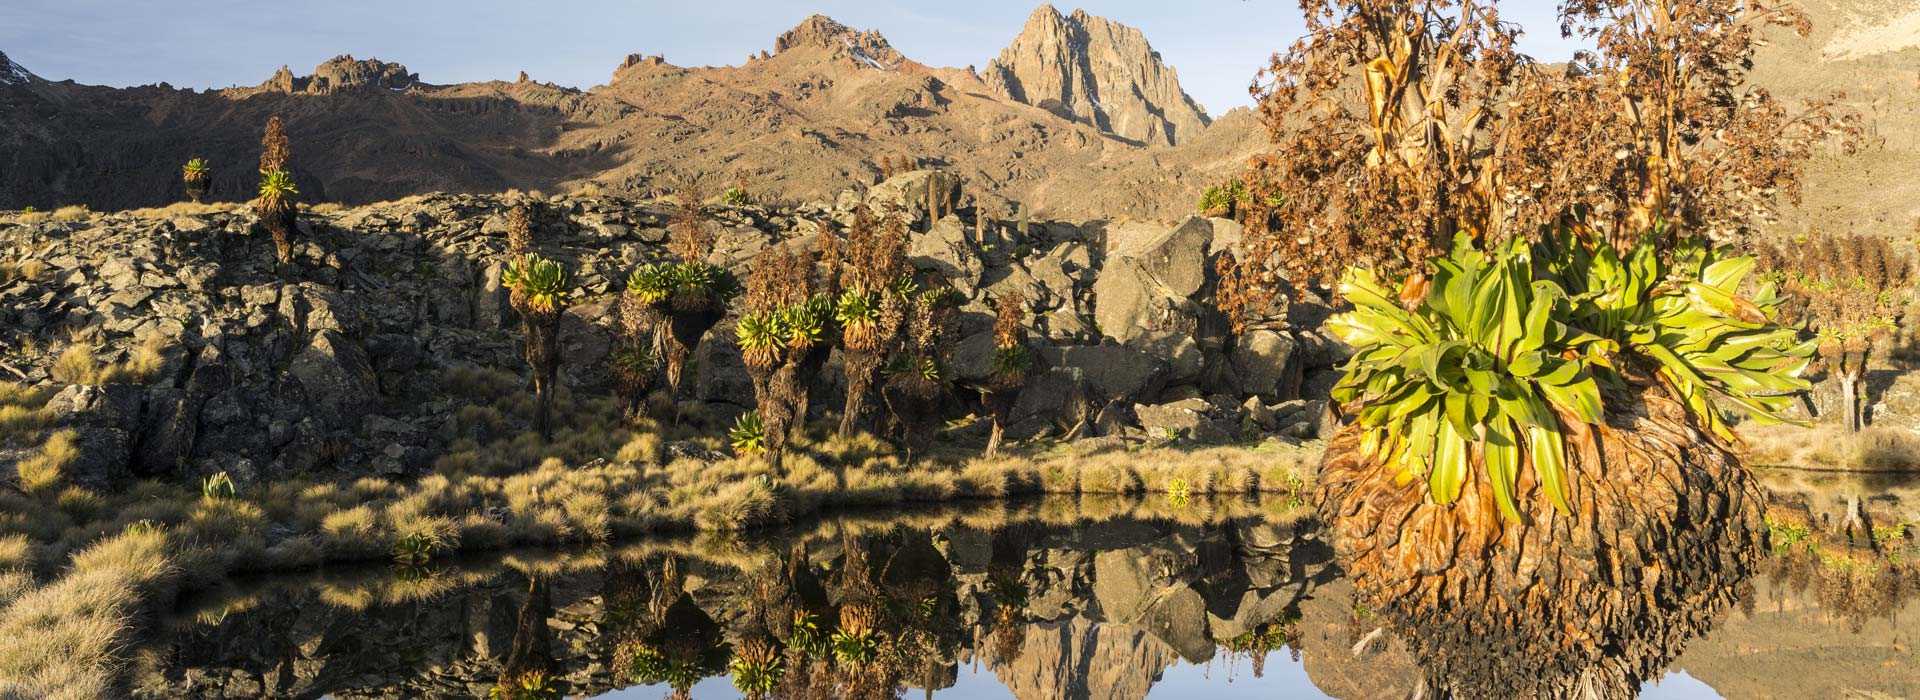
(13,73)
(821,32)
(1094,70)
(341,74)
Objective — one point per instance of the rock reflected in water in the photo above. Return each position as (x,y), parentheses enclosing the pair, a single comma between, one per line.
(1033,601)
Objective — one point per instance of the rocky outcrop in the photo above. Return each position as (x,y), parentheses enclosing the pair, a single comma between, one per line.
(343,74)
(337,361)
(819,117)
(867,48)
(13,73)
(1098,71)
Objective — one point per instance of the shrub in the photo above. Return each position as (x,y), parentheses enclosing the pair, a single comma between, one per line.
(275,205)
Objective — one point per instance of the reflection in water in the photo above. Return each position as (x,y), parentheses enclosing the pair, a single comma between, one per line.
(1035,603)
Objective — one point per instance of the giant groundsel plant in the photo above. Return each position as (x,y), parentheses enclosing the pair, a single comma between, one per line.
(1504,350)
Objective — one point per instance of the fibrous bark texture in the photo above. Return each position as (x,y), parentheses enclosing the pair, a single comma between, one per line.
(1664,529)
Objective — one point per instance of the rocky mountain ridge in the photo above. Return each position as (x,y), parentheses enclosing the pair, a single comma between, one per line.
(821,113)
(1097,71)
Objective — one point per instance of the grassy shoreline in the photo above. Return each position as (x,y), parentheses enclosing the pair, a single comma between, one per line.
(78,565)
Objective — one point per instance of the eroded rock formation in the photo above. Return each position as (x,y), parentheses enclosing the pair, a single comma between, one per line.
(1095,70)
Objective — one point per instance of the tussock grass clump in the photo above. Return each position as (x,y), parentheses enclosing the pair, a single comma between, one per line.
(61,640)
(22,270)
(44,469)
(80,363)
(72,212)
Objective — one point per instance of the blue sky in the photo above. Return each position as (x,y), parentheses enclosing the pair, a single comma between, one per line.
(1215,44)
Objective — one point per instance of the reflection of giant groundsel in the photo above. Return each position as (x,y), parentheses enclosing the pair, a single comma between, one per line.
(1047,604)
(1664,528)
(1049,608)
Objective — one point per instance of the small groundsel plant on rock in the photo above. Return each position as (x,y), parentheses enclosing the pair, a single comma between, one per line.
(198,178)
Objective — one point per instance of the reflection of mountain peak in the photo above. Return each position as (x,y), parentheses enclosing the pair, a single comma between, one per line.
(1078,657)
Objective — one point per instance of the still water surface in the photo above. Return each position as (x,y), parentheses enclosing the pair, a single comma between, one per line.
(1039,600)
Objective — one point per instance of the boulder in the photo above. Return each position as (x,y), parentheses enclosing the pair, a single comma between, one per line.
(336,379)
(1054,401)
(1113,372)
(907,194)
(1195,419)
(947,251)
(103,420)
(1264,366)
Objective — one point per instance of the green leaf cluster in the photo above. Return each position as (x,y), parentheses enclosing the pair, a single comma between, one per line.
(748,436)
(657,284)
(277,188)
(1508,349)
(540,284)
(765,336)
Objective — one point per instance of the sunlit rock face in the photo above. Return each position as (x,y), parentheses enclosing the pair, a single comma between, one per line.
(1098,71)
(1664,530)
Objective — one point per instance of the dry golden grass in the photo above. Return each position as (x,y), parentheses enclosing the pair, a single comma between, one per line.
(45,468)
(1823,446)
(31,217)
(186,209)
(80,364)
(23,270)
(61,640)
(72,212)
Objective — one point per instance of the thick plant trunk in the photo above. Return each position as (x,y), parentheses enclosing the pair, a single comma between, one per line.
(280,224)
(993,438)
(999,406)
(801,394)
(197,190)
(683,335)
(784,388)
(1853,400)
(860,368)
(1665,527)
(543,356)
